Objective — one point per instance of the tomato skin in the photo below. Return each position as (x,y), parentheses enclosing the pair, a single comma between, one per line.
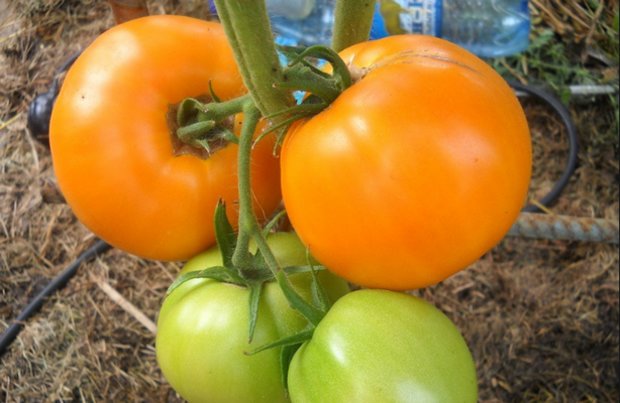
(415,171)
(111,145)
(202,331)
(383,346)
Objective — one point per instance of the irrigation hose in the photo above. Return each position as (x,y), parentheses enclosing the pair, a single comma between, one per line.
(573,145)
(57,283)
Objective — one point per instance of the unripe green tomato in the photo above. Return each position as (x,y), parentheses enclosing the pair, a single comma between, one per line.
(383,346)
(202,330)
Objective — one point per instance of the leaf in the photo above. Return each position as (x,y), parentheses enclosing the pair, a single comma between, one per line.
(224,234)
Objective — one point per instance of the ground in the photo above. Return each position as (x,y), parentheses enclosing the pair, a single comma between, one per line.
(541,316)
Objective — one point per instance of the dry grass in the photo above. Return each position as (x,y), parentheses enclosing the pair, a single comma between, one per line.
(541,317)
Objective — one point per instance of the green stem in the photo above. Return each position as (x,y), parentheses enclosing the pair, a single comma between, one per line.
(249,227)
(297,78)
(249,32)
(352,22)
(247,220)
(247,27)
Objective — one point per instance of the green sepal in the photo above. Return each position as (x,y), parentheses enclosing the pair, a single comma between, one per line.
(187,110)
(296,339)
(319,296)
(289,345)
(296,113)
(290,52)
(286,356)
(228,136)
(212,93)
(258,271)
(195,133)
(303,269)
(310,312)
(256,290)
(341,71)
(273,222)
(224,234)
(218,273)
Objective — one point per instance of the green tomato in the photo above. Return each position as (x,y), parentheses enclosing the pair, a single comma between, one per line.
(383,346)
(202,331)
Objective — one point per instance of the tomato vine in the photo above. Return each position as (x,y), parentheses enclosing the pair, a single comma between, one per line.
(270,96)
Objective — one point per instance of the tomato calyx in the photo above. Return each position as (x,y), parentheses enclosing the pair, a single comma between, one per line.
(253,272)
(302,74)
(203,125)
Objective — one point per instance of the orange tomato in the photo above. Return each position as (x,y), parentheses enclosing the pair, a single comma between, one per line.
(111,142)
(415,171)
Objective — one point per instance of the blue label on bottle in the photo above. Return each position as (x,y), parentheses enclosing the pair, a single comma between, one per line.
(407,16)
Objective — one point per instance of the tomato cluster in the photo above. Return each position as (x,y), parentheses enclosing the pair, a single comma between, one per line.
(414,172)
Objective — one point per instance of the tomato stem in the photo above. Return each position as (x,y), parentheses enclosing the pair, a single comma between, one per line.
(247,220)
(352,22)
(248,224)
(247,27)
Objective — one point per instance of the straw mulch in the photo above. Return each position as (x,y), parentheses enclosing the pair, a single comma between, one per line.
(541,317)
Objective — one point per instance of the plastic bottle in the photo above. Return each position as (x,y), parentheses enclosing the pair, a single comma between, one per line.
(313,26)
(488,28)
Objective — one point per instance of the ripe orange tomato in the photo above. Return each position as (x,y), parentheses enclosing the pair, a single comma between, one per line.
(415,171)
(111,143)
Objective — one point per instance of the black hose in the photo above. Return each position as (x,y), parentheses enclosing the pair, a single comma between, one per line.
(40,109)
(58,282)
(573,146)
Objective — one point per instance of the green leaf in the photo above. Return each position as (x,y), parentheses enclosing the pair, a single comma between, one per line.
(224,234)
(256,290)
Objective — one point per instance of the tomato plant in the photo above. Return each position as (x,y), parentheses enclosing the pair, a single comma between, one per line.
(114,155)
(413,172)
(202,333)
(383,346)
